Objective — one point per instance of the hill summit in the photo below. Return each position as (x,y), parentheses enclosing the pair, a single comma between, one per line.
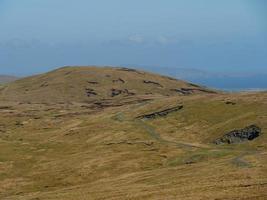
(87,84)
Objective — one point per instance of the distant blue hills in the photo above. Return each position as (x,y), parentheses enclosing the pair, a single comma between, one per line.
(223,81)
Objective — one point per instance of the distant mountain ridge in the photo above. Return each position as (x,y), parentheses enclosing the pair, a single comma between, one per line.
(223,81)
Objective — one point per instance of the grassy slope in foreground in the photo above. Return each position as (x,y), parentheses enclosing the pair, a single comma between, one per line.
(83,151)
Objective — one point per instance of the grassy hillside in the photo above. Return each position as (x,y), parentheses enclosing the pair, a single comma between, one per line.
(7,79)
(87,84)
(149,146)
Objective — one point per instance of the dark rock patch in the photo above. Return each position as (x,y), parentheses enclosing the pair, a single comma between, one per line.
(102,105)
(45,84)
(130,143)
(182,91)
(116,92)
(130,70)
(170,78)
(18,123)
(206,91)
(90,92)
(161,113)
(5,107)
(188,91)
(67,73)
(152,82)
(92,82)
(239,136)
(230,103)
(194,85)
(119,80)
(128,92)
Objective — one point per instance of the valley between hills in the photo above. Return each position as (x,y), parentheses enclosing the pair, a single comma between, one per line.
(79,133)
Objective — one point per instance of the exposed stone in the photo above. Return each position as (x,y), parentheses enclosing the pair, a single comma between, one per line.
(130,70)
(241,135)
(152,82)
(92,82)
(170,78)
(161,113)
(90,92)
(128,92)
(119,80)
(188,91)
(116,92)
(182,91)
(147,143)
(230,103)
(45,84)
(194,85)
(5,107)
(67,73)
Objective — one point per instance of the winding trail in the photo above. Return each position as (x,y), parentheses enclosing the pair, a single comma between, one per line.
(150,130)
(154,134)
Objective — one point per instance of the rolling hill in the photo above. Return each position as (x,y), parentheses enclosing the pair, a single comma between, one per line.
(87,84)
(117,133)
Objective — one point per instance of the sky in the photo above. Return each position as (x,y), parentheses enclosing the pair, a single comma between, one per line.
(228,36)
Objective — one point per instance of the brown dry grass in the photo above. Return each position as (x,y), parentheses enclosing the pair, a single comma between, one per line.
(77,151)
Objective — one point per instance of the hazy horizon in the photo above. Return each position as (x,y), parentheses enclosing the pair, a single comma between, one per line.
(221,37)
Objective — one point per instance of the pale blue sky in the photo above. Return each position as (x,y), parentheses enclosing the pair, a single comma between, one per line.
(214,35)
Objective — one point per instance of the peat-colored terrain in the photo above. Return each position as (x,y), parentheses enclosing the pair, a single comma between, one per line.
(81,133)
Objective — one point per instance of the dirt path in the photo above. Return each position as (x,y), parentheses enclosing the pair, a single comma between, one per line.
(239,160)
(154,134)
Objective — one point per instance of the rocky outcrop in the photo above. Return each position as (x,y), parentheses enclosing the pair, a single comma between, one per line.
(45,84)
(194,85)
(161,113)
(116,92)
(130,70)
(152,82)
(90,92)
(188,91)
(119,80)
(238,136)
(93,82)
(230,103)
